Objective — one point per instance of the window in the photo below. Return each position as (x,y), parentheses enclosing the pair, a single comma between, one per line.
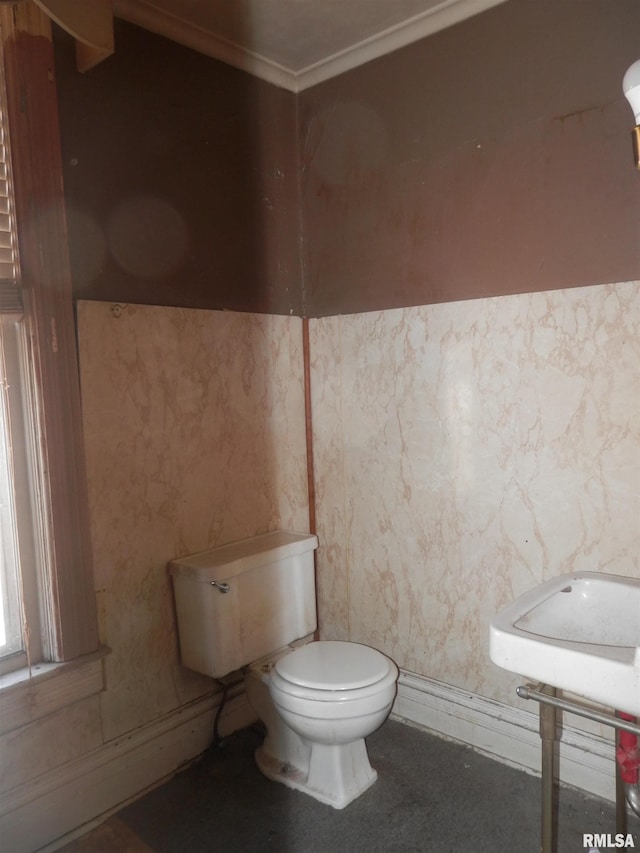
(46,578)
(10,584)
(21,551)
(21,548)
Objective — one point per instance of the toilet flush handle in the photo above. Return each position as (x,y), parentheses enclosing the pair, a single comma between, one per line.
(223,587)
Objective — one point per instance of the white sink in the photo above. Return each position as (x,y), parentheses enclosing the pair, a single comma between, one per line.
(579,632)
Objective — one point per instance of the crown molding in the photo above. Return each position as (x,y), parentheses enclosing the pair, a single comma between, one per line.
(445,14)
(420,26)
(203,41)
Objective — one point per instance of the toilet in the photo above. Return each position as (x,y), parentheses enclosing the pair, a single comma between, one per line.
(251,606)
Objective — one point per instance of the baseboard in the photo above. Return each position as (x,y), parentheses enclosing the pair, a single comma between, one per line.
(68,801)
(505,733)
(62,804)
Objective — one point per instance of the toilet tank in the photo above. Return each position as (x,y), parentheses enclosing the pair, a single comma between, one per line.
(270,602)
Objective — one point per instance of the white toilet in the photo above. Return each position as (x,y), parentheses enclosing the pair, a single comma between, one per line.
(240,607)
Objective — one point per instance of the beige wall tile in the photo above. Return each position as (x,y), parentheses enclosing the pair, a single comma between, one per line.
(474,449)
(195,436)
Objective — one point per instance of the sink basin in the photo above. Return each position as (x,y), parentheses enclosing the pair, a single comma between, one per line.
(578,632)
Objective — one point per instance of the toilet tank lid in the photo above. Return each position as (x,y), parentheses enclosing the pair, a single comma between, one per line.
(232,559)
(334,665)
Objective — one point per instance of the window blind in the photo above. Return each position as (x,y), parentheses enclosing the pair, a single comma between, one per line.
(10,296)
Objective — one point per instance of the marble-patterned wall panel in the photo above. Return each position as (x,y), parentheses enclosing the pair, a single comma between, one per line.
(195,436)
(485,446)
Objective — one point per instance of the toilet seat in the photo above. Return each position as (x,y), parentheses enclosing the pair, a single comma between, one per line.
(333,671)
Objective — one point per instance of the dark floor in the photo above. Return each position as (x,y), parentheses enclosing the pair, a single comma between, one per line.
(431,795)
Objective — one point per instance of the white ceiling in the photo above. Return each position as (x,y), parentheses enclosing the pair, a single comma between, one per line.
(296,43)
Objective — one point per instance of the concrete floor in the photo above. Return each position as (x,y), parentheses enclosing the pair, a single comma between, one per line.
(432,796)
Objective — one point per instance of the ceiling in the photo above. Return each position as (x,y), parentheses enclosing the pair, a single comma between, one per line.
(296,43)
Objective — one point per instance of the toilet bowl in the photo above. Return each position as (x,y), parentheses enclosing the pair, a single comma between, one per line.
(241,606)
(318,703)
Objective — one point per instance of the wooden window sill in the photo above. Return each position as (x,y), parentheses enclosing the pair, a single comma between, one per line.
(26,696)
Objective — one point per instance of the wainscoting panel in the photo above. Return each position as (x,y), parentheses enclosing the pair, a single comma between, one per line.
(71,800)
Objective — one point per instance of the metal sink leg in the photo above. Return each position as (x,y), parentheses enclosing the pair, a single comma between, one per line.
(548,720)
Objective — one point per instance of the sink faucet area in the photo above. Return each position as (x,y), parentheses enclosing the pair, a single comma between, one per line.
(579,632)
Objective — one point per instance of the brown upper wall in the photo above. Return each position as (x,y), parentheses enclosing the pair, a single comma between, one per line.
(491,158)
(179,179)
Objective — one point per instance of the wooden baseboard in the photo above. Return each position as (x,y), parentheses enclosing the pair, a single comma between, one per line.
(64,804)
(67,802)
(505,733)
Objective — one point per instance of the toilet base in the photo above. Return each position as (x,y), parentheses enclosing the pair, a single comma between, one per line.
(337,774)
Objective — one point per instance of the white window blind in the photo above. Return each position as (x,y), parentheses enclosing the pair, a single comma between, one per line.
(10,301)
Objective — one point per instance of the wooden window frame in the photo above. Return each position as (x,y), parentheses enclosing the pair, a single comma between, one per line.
(69,594)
